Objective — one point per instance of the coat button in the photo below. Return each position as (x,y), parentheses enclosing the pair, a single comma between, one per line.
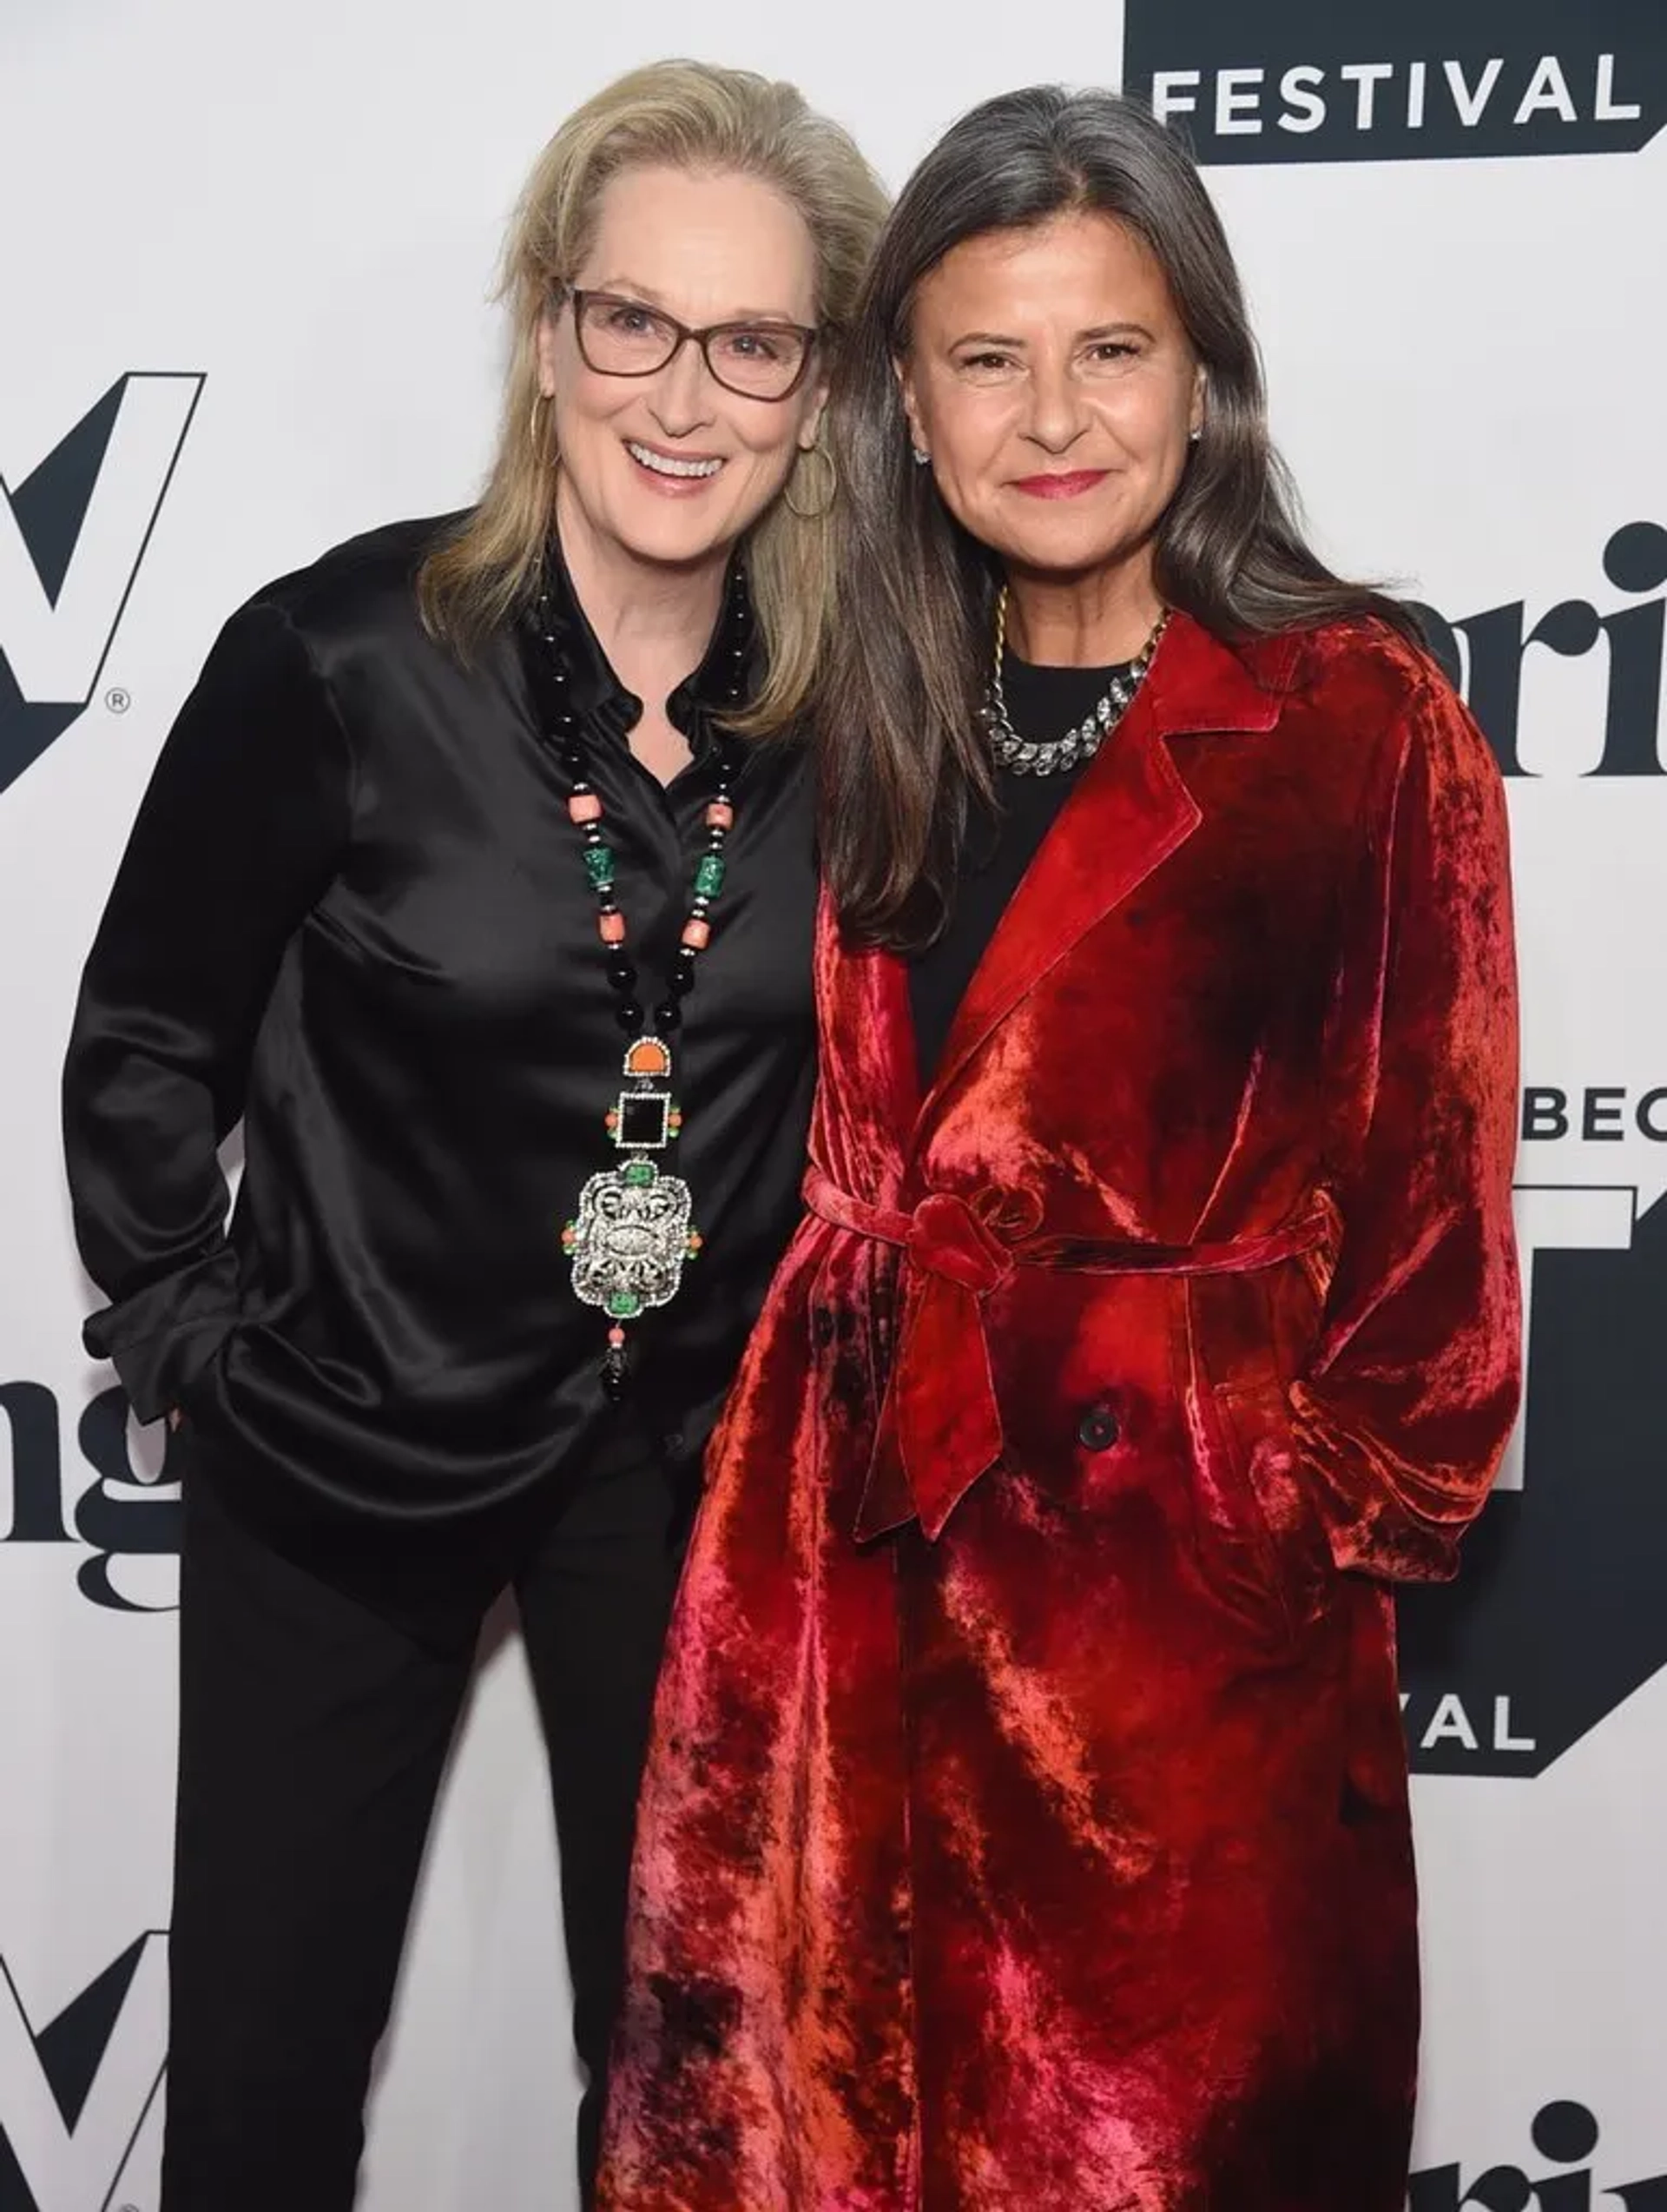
(1098,1430)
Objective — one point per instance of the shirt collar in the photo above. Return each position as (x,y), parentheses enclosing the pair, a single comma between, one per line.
(722,681)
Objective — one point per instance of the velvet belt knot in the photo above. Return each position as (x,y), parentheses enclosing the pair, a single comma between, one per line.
(940,1425)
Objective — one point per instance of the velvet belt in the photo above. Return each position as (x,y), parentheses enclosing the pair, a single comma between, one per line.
(941,1426)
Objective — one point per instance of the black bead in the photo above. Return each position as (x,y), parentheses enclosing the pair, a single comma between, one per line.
(614,1378)
(628,1013)
(669,1016)
(621,973)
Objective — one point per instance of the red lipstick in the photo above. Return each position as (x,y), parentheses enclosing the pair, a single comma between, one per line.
(1070,486)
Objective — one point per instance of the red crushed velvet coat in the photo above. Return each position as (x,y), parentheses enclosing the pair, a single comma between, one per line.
(1046,1849)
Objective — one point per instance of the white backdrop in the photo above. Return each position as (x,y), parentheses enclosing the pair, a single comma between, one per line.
(281,226)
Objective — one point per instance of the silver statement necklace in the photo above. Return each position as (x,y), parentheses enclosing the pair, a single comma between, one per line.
(1052,756)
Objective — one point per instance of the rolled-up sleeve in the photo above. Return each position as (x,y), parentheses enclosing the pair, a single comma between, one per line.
(239,835)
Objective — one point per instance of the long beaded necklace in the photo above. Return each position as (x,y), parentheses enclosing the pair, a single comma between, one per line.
(1049,756)
(634,1232)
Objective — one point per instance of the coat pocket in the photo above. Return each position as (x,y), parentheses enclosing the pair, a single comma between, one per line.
(1261,1538)
(1270,1499)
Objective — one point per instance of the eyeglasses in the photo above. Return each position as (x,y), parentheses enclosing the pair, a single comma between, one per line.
(759,361)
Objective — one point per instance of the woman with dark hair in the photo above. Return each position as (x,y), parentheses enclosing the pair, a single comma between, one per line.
(1027,1822)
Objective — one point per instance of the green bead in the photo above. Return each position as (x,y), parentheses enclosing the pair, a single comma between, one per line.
(639,1171)
(708,876)
(599,866)
(624,1306)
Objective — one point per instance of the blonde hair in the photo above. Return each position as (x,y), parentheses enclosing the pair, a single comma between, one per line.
(678,115)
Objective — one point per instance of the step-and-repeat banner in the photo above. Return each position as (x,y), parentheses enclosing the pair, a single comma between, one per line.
(243,275)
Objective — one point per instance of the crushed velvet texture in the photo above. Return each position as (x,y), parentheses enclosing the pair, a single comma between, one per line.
(1046,1849)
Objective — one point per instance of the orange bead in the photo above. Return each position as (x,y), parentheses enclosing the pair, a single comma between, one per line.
(584,806)
(720,815)
(697,934)
(610,928)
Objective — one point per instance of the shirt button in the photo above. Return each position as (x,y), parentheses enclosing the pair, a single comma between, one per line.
(1098,1430)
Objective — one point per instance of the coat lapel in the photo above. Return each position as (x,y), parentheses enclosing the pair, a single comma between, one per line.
(870,1091)
(1130,811)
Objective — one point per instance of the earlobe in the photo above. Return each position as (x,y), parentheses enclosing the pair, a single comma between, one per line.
(545,349)
(911,410)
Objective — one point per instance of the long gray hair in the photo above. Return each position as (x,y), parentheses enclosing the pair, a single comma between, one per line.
(903,759)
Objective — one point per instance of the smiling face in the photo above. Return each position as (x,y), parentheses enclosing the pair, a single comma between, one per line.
(1051,379)
(671,468)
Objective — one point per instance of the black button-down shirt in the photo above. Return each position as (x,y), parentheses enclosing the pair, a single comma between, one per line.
(353,914)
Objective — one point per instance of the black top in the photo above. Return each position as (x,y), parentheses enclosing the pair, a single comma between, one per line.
(353,913)
(1042,703)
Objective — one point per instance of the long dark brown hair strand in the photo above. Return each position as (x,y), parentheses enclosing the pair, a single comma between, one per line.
(904,761)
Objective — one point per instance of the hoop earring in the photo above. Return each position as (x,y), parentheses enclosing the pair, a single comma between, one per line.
(831,483)
(535,422)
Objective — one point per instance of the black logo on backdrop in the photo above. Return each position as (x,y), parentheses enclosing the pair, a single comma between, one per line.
(74,2094)
(1564,2135)
(123,1522)
(1557,1615)
(1489,655)
(72,535)
(1419,80)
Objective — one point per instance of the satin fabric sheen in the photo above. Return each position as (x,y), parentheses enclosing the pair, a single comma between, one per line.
(1051,1848)
(353,912)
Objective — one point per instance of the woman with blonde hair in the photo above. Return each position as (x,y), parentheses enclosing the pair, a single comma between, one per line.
(453,824)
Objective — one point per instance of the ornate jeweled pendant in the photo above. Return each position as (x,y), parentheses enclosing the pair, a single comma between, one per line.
(634,1230)
(630,1239)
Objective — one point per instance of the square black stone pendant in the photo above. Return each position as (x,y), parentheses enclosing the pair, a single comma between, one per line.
(643,1121)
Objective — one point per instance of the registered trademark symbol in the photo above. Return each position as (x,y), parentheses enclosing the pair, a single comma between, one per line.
(118,702)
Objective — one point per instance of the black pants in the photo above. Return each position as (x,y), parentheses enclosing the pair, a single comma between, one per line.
(312,1736)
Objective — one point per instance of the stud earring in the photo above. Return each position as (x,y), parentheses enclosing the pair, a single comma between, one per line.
(921,454)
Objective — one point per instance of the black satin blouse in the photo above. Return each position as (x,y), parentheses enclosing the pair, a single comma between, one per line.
(352,914)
